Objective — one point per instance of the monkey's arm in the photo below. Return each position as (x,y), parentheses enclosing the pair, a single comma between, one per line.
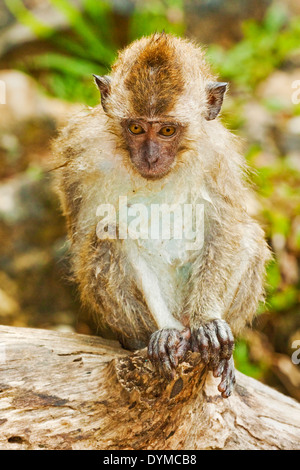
(224,291)
(227,278)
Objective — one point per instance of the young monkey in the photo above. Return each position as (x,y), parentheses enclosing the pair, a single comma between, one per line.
(155,141)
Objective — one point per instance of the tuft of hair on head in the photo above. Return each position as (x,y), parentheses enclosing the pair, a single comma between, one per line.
(155,78)
(154,74)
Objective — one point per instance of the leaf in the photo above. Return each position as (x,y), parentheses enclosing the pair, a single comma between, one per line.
(66,64)
(25,17)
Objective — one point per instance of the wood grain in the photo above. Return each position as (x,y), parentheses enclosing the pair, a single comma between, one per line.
(69,391)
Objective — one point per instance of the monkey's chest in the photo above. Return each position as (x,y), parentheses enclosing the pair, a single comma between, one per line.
(162,269)
(161,243)
(161,273)
(170,261)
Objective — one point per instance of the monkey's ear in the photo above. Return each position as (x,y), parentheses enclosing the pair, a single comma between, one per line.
(103,83)
(215,94)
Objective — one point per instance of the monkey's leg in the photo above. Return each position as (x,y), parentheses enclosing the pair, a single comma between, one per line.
(214,341)
(107,285)
(167,347)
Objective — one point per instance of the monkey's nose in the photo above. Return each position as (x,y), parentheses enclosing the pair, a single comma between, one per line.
(151,152)
(152,159)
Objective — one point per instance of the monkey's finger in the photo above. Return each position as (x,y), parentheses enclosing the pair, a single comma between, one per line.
(156,355)
(185,343)
(182,349)
(228,388)
(218,371)
(172,345)
(178,353)
(226,339)
(158,352)
(215,347)
(228,379)
(152,347)
(200,343)
(223,385)
(163,353)
(166,368)
(186,334)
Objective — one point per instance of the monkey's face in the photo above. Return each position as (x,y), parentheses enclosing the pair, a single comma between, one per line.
(152,146)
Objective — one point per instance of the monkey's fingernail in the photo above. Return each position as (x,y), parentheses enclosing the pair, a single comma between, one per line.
(217,373)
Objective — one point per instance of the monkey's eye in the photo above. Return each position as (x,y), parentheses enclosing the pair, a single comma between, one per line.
(167,131)
(136,129)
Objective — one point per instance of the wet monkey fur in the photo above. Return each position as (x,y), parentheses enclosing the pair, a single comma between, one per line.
(156,139)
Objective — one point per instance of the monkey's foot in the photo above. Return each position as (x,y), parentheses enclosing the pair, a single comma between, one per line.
(215,342)
(167,347)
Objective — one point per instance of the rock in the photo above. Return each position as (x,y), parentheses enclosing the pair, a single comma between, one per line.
(24,102)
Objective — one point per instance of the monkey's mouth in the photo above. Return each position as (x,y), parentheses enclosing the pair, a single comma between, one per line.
(154,176)
(153,170)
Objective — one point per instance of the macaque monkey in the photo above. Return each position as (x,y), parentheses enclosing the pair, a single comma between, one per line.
(155,141)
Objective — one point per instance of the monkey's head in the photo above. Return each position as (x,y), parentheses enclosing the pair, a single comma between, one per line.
(159,96)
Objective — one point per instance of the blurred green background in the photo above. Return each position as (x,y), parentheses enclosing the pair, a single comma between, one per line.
(48,51)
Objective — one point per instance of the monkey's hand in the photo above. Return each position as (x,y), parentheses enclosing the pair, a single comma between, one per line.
(167,347)
(215,342)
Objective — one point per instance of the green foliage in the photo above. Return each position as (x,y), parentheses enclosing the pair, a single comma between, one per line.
(283,300)
(89,46)
(25,17)
(264,47)
(274,276)
(35,172)
(243,363)
(279,188)
(157,15)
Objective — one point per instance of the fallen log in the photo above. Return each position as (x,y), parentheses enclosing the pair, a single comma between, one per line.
(69,391)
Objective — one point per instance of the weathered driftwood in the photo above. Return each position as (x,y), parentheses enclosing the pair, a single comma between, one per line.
(69,391)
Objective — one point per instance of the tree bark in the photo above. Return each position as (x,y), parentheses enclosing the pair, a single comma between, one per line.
(69,391)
